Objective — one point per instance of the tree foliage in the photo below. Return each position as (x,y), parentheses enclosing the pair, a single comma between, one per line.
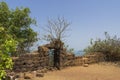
(7,45)
(15,33)
(110,47)
(18,23)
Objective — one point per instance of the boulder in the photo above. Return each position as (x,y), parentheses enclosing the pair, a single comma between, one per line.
(40,74)
(28,75)
(85,65)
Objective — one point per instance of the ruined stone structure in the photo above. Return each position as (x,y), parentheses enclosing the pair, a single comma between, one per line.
(88,59)
(40,59)
(59,53)
(31,62)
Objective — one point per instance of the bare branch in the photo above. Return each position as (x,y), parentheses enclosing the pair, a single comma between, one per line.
(57,28)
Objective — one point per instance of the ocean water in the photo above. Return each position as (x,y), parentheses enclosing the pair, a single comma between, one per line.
(79,53)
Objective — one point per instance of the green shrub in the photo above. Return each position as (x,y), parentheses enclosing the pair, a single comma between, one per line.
(110,47)
(7,46)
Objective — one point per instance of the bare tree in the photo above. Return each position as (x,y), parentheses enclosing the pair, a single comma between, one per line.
(56,29)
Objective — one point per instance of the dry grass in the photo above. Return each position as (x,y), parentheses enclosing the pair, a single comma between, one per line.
(100,71)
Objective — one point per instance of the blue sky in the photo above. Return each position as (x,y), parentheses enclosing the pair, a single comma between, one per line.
(89,18)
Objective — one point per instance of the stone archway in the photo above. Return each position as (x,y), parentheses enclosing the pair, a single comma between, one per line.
(57,47)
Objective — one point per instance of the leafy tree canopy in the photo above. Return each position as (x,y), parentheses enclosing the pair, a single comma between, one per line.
(15,34)
(17,22)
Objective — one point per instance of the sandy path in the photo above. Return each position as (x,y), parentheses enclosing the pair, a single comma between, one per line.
(93,72)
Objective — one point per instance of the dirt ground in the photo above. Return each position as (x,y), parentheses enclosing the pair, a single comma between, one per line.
(92,72)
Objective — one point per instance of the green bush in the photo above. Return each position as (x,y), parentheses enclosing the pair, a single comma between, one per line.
(7,45)
(110,47)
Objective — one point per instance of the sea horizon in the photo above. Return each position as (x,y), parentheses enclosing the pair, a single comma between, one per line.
(79,53)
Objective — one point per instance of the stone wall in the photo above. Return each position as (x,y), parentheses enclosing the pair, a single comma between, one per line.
(78,61)
(81,60)
(68,60)
(31,62)
(40,60)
